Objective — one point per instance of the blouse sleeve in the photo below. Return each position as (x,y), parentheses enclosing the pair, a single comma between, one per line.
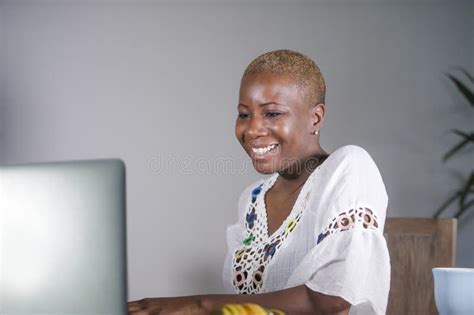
(350,258)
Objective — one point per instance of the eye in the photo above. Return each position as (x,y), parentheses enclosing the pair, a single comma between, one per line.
(272,114)
(242,115)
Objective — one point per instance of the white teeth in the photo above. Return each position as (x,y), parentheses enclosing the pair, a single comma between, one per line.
(264,150)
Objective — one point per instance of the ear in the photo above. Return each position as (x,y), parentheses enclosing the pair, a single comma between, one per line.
(317,115)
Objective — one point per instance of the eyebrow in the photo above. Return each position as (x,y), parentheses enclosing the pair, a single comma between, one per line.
(263,104)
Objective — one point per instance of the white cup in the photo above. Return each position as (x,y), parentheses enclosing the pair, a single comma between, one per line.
(454,290)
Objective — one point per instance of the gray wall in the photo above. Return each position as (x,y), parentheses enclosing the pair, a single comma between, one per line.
(2,102)
(158,81)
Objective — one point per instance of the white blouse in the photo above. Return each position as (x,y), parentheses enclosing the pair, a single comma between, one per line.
(332,241)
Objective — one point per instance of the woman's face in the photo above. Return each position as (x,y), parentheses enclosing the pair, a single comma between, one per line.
(274,124)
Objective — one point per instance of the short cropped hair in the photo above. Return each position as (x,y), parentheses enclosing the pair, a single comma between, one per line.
(295,65)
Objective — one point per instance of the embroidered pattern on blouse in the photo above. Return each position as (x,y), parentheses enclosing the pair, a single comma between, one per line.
(347,220)
(250,261)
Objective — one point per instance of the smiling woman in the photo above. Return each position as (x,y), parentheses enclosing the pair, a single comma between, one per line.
(309,237)
(274,114)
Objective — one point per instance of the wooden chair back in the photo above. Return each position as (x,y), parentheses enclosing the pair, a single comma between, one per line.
(416,245)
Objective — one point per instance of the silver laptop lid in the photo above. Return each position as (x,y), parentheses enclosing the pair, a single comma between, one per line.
(63,238)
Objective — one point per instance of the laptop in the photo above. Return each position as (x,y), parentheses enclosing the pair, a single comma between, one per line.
(63,238)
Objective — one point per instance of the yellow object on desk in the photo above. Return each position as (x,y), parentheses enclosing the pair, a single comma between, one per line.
(246,309)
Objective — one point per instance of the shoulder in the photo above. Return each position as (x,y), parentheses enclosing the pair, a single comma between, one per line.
(351,181)
(350,161)
(350,175)
(350,155)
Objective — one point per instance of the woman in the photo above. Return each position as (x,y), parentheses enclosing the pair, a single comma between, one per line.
(310,237)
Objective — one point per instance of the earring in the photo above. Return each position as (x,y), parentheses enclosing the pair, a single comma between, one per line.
(316,132)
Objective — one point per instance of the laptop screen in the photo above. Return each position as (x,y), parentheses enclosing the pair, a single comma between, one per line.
(63,238)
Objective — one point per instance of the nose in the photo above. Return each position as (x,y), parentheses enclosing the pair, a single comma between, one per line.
(256,128)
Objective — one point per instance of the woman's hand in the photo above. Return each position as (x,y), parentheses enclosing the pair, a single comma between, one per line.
(167,306)
(188,309)
(144,307)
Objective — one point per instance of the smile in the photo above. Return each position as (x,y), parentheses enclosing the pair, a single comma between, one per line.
(264,152)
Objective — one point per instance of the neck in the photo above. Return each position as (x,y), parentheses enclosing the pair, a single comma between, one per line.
(294,177)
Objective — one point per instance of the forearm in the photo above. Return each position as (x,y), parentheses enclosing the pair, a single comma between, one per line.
(293,300)
(296,300)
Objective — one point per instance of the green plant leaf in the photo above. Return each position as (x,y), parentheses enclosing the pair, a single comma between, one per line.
(466,73)
(464,134)
(443,207)
(463,194)
(464,209)
(463,89)
(456,148)
(465,191)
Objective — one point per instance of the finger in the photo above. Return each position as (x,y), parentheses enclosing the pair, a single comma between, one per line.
(148,311)
(153,310)
(140,303)
(134,307)
(185,310)
(172,311)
